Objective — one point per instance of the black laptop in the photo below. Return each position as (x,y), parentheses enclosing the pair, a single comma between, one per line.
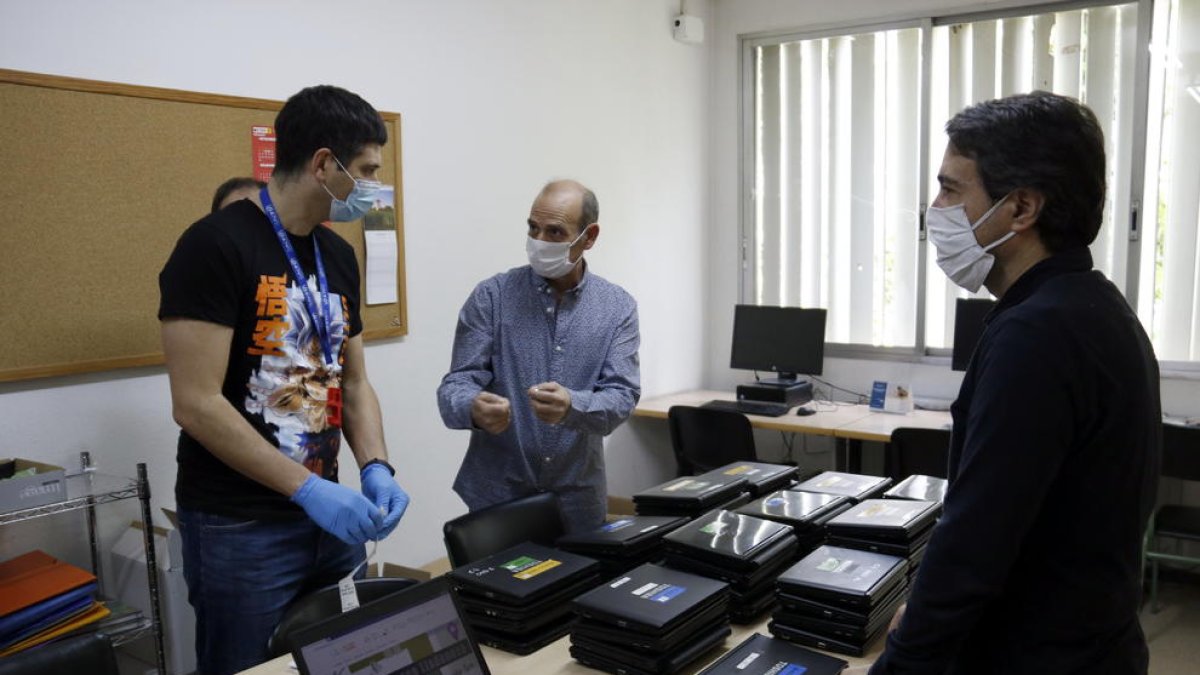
(853,485)
(793,605)
(762,655)
(651,599)
(417,630)
(895,520)
(727,538)
(523,574)
(625,535)
(691,492)
(844,576)
(920,487)
(606,657)
(804,511)
(810,639)
(743,578)
(762,477)
(657,644)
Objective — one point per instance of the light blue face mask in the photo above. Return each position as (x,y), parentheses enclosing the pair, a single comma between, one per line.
(357,203)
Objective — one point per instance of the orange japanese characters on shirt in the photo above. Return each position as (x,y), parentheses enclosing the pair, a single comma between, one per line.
(272,316)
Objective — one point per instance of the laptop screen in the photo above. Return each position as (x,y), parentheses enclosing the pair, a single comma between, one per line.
(418,630)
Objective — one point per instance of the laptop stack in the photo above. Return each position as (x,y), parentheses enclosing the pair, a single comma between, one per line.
(650,621)
(689,496)
(762,478)
(853,485)
(745,551)
(919,487)
(762,655)
(806,512)
(518,599)
(623,543)
(839,599)
(898,527)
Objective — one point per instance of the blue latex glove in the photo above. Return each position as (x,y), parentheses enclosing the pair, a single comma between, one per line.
(339,510)
(380,487)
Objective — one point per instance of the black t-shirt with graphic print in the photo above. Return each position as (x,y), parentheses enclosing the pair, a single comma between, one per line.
(230,269)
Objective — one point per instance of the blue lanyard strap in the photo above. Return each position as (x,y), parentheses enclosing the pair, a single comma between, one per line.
(322,321)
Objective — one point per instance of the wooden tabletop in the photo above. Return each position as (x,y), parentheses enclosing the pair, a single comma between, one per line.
(841,420)
(556,659)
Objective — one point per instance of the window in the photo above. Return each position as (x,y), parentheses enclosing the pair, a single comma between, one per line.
(836,175)
(1168,300)
(844,136)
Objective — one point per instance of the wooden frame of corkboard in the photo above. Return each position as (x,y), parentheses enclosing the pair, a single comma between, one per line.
(98,181)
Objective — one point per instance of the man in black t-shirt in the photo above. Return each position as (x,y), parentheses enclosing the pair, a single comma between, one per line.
(262,336)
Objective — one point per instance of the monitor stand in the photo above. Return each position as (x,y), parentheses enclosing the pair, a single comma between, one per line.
(791,391)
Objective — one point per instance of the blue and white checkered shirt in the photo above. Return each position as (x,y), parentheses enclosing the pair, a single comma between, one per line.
(512,335)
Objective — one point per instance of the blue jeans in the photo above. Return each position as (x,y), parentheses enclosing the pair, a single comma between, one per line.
(242,575)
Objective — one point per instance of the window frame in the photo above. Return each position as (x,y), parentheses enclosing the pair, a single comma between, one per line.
(920,352)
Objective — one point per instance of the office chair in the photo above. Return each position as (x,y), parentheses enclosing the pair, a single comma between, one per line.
(705,439)
(913,450)
(1180,459)
(481,533)
(92,653)
(326,602)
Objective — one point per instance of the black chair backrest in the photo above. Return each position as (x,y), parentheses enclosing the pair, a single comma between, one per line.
(705,439)
(92,654)
(481,533)
(918,451)
(1181,452)
(326,602)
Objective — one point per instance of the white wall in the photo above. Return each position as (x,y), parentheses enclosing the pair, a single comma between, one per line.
(496,98)
(735,18)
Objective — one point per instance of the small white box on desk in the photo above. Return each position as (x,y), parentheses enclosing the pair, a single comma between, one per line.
(891,397)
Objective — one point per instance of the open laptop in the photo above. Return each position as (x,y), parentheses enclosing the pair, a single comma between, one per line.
(415,631)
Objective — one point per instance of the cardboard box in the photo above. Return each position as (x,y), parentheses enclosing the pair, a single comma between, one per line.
(47,486)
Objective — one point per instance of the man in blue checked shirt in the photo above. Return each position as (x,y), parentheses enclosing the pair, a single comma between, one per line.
(545,364)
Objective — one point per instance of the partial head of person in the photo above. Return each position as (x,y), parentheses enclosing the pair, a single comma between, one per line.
(563,223)
(329,142)
(234,190)
(1022,178)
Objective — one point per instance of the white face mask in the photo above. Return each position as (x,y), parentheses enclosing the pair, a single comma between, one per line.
(551,259)
(958,251)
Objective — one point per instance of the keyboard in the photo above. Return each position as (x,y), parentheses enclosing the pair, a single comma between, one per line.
(748,407)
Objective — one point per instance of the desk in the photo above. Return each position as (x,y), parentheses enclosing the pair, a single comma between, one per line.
(849,423)
(555,658)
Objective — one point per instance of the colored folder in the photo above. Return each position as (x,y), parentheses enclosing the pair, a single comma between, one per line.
(36,577)
(97,612)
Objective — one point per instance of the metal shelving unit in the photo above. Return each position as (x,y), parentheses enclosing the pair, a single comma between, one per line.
(88,489)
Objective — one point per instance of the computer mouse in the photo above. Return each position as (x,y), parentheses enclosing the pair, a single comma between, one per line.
(805,411)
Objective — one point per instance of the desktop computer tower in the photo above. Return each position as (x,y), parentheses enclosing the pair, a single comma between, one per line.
(792,394)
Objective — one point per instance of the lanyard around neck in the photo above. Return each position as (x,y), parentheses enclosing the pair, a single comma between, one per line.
(322,320)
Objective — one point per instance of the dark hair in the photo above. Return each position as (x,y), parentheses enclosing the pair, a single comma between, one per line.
(324,117)
(229,186)
(1043,141)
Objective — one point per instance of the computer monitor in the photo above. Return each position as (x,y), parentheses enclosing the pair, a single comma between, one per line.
(968,328)
(789,341)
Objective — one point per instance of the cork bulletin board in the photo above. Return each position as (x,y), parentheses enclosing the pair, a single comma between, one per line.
(97,182)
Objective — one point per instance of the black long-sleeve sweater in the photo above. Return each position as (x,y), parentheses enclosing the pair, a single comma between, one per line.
(1034,566)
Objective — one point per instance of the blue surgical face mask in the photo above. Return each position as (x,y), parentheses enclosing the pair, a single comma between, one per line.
(357,203)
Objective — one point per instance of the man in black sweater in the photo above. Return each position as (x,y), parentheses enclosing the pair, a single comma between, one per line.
(1034,566)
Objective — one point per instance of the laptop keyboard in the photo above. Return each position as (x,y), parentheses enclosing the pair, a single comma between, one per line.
(749,407)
